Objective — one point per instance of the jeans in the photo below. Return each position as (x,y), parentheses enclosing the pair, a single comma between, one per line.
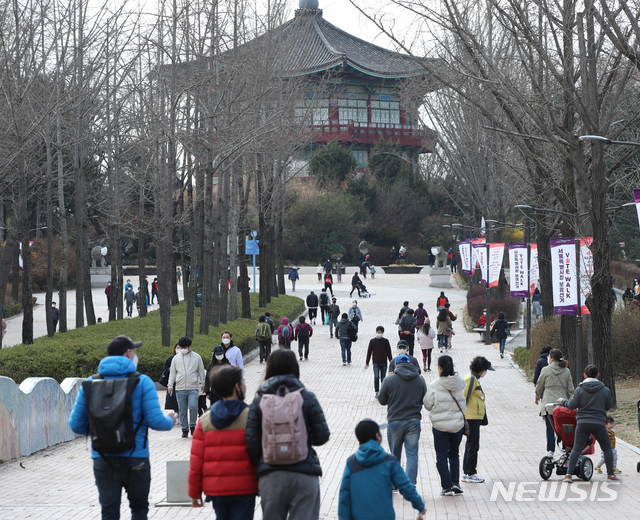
(503,342)
(188,401)
(313,312)
(599,431)
(303,344)
(408,433)
(129,308)
(447,457)
(379,373)
(333,322)
(551,435)
(470,460)
(233,507)
(443,341)
(265,349)
(345,346)
(132,474)
(293,283)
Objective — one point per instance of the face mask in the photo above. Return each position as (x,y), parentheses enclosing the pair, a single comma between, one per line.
(135,361)
(219,357)
(180,351)
(379,335)
(354,306)
(226,341)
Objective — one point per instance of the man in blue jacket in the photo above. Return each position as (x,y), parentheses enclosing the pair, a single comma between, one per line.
(129,469)
(370,476)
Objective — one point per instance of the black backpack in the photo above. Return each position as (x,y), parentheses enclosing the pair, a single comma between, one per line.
(352,333)
(111,413)
(303,333)
(324,299)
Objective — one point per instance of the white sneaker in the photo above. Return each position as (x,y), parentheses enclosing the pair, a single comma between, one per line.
(550,454)
(464,477)
(475,479)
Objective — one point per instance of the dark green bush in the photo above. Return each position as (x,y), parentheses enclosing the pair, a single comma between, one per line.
(523,357)
(16,308)
(78,352)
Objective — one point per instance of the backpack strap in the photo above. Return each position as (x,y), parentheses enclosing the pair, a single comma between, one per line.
(471,383)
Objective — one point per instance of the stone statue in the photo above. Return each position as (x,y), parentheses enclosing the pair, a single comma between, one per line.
(441,256)
(97,256)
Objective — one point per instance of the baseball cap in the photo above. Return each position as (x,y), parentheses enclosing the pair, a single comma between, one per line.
(218,350)
(403,344)
(120,344)
(403,358)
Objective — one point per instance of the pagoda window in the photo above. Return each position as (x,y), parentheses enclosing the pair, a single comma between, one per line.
(353,109)
(361,157)
(312,110)
(383,111)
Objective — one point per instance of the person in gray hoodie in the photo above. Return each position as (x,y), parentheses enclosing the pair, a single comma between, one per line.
(402,392)
(592,400)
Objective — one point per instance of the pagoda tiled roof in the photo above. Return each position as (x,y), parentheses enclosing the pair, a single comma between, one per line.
(308,43)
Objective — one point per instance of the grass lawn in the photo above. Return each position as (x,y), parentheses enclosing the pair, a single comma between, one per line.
(628,393)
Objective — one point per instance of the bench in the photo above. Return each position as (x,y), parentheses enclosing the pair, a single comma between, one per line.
(483,331)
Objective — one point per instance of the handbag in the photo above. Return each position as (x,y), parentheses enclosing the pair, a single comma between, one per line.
(164,378)
(326,318)
(465,431)
(507,331)
(485,419)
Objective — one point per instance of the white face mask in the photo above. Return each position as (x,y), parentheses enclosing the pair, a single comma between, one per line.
(219,357)
(181,351)
(354,305)
(379,335)
(226,341)
(135,361)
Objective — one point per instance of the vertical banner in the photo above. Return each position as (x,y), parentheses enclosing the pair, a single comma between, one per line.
(480,252)
(465,255)
(563,267)
(586,271)
(534,274)
(496,254)
(518,267)
(474,253)
(636,195)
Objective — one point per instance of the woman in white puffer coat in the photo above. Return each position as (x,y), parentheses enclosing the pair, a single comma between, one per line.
(446,404)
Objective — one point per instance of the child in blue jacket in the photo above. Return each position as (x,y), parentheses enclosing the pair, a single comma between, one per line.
(369,478)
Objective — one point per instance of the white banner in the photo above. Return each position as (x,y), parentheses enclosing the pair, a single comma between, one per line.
(474,253)
(465,256)
(496,254)
(534,275)
(563,267)
(518,267)
(480,251)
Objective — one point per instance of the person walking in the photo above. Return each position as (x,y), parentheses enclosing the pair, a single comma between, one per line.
(356,282)
(55,316)
(218,360)
(324,305)
(302,334)
(231,352)
(287,490)
(263,337)
(402,392)
(345,330)
(339,269)
(380,350)
(312,305)
(592,400)
(426,334)
(285,333)
(128,285)
(319,272)
(113,471)
(501,328)
(420,314)
(476,415)
(130,299)
(294,276)
(187,372)
(107,291)
(442,299)
(334,314)
(154,290)
(555,382)
(328,282)
(403,350)
(228,482)
(541,363)
(393,255)
(454,263)
(407,329)
(444,329)
(536,302)
(355,315)
(178,275)
(328,266)
(446,404)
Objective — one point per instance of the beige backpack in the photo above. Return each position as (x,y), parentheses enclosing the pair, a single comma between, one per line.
(284,432)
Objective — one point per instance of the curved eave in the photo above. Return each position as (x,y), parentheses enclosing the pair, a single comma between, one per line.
(341,63)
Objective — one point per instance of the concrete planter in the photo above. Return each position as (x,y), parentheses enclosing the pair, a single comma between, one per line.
(402,269)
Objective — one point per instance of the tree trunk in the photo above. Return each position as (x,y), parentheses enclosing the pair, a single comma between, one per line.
(64,232)
(15,280)
(27,287)
(49,210)
(142,242)
(10,247)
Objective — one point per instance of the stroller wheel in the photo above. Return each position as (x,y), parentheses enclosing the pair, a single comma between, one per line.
(585,469)
(638,468)
(546,467)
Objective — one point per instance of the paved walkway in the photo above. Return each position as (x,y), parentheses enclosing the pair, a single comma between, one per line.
(58,482)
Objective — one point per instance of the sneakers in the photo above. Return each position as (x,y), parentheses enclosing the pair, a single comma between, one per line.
(598,470)
(614,477)
(550,454)
(344,364)
(428,370)
(502,355)
(185,433)
(446,492)
(193,429)
(473,479)
(376,395)
(457,490)
(568,479)
(617,471)
(425,367)
(300,358)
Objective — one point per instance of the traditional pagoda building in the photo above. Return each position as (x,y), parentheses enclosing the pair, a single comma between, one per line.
(361,101)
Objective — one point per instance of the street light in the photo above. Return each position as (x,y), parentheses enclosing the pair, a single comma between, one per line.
(605,140)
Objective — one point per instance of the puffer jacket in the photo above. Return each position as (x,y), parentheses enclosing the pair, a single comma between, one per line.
(342,329)
(317,429)
(220,464)
(444,413)
(554,383)
(592,399)
(145,407)
(474,398)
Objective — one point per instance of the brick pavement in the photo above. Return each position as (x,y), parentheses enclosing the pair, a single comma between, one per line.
(58,482)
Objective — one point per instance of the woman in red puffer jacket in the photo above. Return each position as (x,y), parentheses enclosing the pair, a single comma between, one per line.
(220,466)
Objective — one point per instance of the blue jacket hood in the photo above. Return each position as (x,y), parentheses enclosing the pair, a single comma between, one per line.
(370,453)
(116,366)
(223,413)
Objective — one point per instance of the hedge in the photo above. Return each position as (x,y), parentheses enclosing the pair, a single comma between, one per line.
(78,352)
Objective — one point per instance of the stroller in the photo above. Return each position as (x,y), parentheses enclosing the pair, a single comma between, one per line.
(363,291)
(564,424)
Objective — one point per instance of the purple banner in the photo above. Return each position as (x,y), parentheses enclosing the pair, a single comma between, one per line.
(563,268)
(518,270)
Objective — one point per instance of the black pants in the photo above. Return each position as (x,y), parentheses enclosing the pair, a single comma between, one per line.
(303,343)
(265,349)
(313,312)
(153,295)
(354,288)
(409,338)
(470,461)
(599,431)
(329,287)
